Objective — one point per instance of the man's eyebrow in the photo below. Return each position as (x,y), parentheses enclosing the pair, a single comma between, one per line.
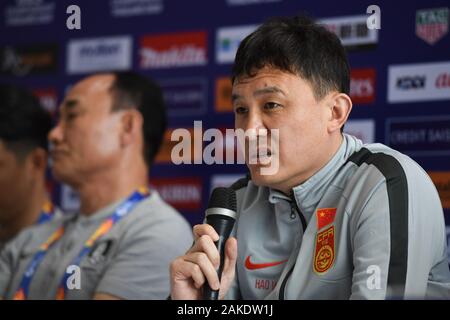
(70,104)
(259,92)
(235,97)
(267,90)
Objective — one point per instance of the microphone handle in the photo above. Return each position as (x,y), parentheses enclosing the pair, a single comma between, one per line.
(223,226)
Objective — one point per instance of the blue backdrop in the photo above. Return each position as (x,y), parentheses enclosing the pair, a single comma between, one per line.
(400,73)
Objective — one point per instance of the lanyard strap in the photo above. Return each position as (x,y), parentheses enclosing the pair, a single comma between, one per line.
(47,212)
(22,292)
(121,211)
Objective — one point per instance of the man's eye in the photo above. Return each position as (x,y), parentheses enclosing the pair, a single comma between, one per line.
(70,116)
(240,110)
(271,105)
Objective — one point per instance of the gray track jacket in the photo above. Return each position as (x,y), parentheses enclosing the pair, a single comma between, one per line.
(368,225)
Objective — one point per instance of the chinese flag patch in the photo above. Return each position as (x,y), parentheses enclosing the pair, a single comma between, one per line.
(325,217)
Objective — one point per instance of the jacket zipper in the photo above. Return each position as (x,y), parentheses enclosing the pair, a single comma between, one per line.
(294,209)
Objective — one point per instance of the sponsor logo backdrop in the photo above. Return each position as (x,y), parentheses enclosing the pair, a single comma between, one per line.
(400,79)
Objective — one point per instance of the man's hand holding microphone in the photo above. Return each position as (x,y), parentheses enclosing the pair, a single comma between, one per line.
(207,270)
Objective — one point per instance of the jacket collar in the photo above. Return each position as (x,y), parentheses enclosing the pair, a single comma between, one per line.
(309,193)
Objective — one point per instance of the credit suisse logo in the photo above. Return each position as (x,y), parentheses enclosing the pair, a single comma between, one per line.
(419,82)
(183,49)
(419,136)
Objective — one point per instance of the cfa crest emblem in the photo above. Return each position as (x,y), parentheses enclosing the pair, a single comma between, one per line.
(324,253)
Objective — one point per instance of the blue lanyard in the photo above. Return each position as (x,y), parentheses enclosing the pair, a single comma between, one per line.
(47,212)
(121,211)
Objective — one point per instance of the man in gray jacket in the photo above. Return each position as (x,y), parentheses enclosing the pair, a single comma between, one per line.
(338,219)
(120,243)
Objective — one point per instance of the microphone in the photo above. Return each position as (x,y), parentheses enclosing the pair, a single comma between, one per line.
(221,214)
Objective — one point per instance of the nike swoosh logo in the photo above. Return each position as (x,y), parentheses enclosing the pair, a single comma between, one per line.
(255,266)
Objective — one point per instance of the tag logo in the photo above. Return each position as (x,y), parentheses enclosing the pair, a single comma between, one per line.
(432,24)
(324,253)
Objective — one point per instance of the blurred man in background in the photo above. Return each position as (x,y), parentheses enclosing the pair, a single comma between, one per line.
(24,126)
(120,244)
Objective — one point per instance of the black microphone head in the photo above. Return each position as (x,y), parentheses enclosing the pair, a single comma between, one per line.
(222,197)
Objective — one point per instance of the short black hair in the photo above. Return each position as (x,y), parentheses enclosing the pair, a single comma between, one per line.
(24,123)
(297,45)
(132,90)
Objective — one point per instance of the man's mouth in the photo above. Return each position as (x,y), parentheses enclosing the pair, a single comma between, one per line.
(262,156)
(55,153)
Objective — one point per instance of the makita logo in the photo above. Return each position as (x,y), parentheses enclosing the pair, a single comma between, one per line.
(100,50)
(174,50)
(188,55)
(443,81)
(411,82)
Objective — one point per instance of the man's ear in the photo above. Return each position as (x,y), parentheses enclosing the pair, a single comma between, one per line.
(37,160)
(131,122)
(340,107)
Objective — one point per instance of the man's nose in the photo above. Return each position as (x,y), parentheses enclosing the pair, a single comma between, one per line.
(254,122)
(55,135)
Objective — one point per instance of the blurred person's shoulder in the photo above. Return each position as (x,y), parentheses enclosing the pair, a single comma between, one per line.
(155,218)
(32,237)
